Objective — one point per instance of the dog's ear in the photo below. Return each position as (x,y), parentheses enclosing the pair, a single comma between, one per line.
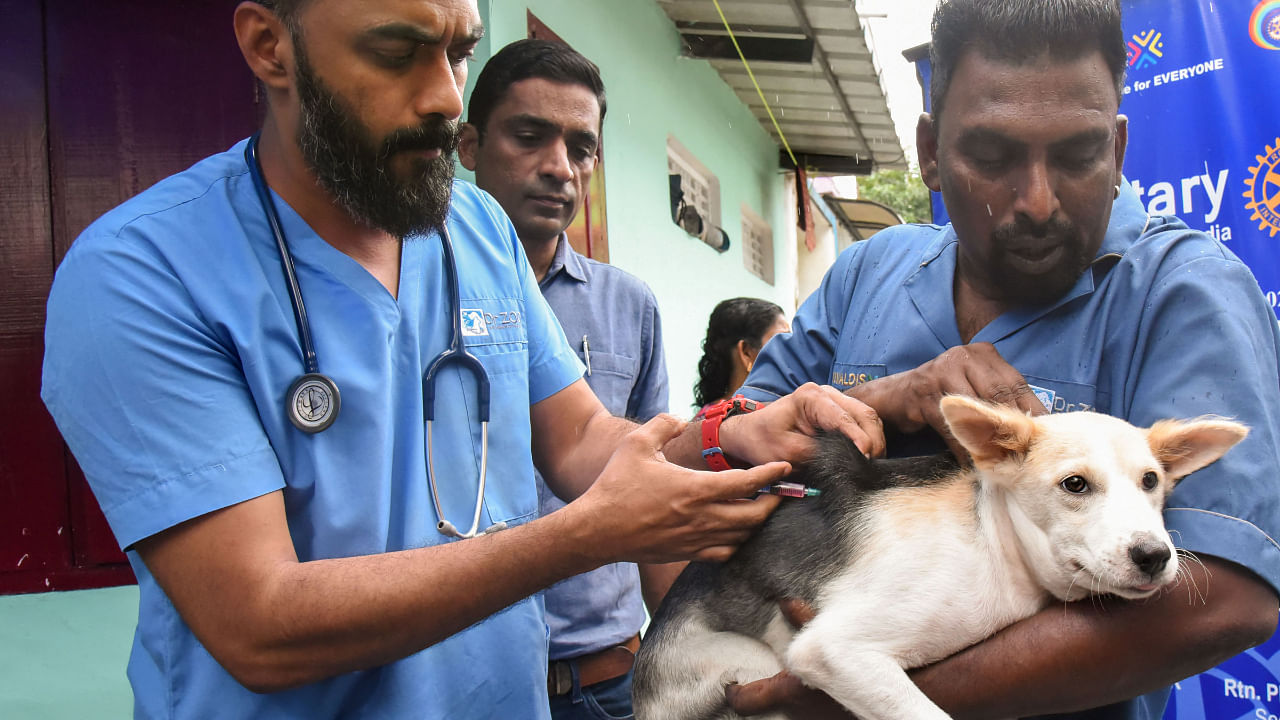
(990,433)
(1182,447)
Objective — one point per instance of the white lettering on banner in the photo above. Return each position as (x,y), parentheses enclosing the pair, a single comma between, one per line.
(1173,76)
(1164,196)
(1262,714)
(1273,690)
(1187,72)
(1238,689)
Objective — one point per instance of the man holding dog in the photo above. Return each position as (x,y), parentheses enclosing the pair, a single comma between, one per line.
(1053,290)
(294,561)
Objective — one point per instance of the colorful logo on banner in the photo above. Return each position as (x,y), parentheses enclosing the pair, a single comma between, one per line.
(1146,49)
(1264,25)
(1264,190)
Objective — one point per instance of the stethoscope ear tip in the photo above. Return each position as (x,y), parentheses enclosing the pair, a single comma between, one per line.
(444,527)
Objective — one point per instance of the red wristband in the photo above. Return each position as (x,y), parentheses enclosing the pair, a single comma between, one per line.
(716,414)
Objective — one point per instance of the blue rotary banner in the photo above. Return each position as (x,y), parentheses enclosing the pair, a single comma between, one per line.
(1202,93)
(1203,103)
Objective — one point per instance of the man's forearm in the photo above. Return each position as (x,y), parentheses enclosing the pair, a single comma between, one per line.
(1100,651)
(656,580)
(580,466)
(686,448)
(294,623)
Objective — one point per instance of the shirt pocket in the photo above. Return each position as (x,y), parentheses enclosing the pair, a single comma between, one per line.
(1066,395)
(498,338)
(611,378)
(850,375)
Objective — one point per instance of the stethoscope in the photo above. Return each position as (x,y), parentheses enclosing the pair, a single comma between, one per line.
(313,401)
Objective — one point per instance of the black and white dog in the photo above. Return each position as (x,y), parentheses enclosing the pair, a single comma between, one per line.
(909,561)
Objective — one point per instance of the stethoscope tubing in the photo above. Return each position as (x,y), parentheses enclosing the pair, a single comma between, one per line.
(456,353)
(309,362)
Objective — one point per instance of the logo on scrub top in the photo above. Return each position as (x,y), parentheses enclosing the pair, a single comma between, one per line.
(1045,396)
(1145,49)
(1264,25)
(473,323)
(1264,190)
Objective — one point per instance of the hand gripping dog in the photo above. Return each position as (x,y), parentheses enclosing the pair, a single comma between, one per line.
(1054,507)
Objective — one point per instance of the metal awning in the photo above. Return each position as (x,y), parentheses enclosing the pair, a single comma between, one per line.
(813,64)
(862,218)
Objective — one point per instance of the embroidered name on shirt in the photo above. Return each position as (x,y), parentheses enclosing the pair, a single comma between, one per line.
(852,379)
(504,319)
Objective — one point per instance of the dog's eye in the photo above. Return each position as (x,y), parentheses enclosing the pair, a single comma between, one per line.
(1150,481)
(1075,485)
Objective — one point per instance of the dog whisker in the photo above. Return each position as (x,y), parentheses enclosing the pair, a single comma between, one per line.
(1184,573)
(1095,600)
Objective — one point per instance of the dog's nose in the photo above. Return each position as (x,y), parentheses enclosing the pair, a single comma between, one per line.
(1150,555)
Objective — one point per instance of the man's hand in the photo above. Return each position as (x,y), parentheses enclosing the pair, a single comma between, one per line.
(643,508)
(785,692)
(908,401)
(784,429)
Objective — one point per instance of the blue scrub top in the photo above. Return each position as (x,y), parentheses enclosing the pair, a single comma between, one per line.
(169,348)
(1167,323)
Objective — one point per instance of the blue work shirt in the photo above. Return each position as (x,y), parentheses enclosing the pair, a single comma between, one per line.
(1167,323)
(611,317)
(170,345)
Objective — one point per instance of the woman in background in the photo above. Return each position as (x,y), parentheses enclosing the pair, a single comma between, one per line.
(736,332)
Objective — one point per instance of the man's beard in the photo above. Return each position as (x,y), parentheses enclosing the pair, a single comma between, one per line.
(356,169)
(1019,288)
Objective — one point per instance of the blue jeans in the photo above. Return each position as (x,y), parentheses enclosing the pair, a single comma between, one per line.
(608,700)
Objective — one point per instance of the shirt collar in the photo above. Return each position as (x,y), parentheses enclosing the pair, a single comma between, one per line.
(568,260)
(1128,219)
(938,263)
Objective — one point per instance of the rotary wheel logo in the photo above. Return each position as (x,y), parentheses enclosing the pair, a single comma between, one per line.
(1264,190)
(1264,25)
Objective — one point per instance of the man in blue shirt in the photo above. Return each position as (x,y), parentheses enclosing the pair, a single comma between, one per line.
(292,574)
(1053,290)
(532,137)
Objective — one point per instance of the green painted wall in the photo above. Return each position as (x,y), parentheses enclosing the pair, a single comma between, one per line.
(653,92)
(63,655)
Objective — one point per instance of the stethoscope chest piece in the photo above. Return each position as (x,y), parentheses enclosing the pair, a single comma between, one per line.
(313,402)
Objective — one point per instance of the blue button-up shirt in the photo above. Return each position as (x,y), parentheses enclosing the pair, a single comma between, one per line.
(611,319)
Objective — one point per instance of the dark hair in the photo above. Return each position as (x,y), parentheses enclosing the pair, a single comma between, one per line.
(732,320)
(286,10)
(1019,31)
(524,59)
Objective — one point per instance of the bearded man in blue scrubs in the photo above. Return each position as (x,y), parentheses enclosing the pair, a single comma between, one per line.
(532,137)
(1054,290)
(287,574)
